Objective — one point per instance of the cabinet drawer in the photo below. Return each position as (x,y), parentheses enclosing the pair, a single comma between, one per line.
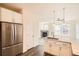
(12,50)
(66,45)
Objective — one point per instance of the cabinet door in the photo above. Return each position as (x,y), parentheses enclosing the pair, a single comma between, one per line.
(66,50)
(6,15)
(55,48)
(18,33)
(17,17)
(47,47)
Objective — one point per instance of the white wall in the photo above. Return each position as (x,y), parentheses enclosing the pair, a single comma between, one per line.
(27,30)
(74,40)
(30,30)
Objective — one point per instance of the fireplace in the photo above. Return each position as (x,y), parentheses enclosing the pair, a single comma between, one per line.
(44,34)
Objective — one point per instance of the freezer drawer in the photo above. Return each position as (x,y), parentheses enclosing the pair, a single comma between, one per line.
(18,48)
(8,51)
(18,33)
(7,34)
(13,50)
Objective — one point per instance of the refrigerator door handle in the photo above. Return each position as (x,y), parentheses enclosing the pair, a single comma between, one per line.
(13,33)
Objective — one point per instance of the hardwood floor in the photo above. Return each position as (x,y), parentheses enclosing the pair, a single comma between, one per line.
(37,51)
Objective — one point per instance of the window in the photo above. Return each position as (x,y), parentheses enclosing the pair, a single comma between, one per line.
(62,31)
(77,32)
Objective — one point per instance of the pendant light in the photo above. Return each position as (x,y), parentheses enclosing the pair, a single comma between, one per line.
(53,16)
(63,18)
(63,15)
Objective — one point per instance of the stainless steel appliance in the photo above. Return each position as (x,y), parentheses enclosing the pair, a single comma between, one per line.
(11,41)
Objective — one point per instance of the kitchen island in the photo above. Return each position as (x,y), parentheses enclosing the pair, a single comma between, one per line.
(56,47)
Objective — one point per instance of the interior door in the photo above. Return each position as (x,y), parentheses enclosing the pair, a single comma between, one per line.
(18,33)
(7,34)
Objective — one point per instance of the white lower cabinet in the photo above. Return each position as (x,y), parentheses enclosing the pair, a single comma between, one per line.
(47,47)
(58,48)
(55,50)
(66,50)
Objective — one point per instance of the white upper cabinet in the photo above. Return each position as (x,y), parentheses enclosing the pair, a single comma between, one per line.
(5,15)
(17,17)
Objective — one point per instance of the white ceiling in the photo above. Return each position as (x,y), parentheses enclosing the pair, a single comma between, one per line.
(23,5)
(45,10)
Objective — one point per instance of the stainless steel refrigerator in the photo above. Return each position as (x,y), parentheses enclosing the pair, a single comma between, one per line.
(11,39)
